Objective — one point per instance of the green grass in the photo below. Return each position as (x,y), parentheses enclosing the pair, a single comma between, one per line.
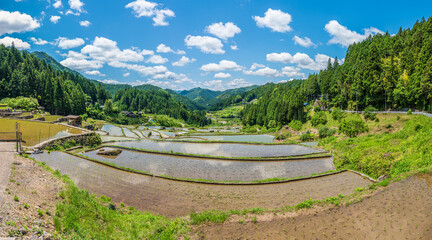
(391,154)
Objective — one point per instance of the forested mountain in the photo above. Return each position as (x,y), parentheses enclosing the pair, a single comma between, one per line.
(208,98)
(381,71)
(60,92)
(51,61)
(157,102)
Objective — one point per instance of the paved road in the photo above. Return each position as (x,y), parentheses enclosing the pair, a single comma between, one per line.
(7,156)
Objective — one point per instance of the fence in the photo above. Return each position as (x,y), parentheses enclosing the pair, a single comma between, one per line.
(12,137)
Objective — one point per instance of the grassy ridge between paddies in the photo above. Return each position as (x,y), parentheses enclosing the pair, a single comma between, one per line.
(391,154)
(81,215)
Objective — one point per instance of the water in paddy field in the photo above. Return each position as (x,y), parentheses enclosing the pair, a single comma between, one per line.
(238,138)
(218,170)
(112,130)
(129,133)
(221,149)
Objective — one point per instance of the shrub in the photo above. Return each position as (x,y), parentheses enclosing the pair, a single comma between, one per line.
(325,131)
(319,118)
(317,109)
(368,113)
(282,136)
(337,114)
(295,124)
(353,126)
(306,136)
(409,112)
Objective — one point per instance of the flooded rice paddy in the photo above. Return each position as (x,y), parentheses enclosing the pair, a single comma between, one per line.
(221,149)
(238,138)
(173,198)
(217,170)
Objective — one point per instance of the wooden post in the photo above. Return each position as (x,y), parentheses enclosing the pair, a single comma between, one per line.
(17,136)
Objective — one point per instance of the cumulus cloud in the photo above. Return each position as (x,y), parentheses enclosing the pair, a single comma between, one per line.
(222,75)
(157,59)
(263,72)
(84,23)
(76,5)
(276,20)
(223,65)
(15,22)
(57,4)
(54,19)
(234,47)
(205,44)
(81,64)
(223,31)
(65,43)
(238,83)
(183,61)
(143,8)
(106,50)
(109,81)
(301,59)
(95,73)
(147,52)
(292,72)
(126,74)
(38,41)
(305,42)
(162,48)
(343,36)
(18,43)
(219,85)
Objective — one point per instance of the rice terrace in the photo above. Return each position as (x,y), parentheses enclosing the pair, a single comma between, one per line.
(215,120)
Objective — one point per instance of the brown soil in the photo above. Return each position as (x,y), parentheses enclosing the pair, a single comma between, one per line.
(33,186)
(400,211)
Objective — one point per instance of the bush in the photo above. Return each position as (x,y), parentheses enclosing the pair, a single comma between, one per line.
(317,109)
(353,126)
(295,124)
(325,131)
(409,112)
(368,113)
(337,114)
(319,118)
(282,136)
(306,136)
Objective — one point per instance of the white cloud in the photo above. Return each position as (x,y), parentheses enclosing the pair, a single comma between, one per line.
(55,19)
(147,52)
(162,48)
(183,61)
(126,74)
(305,42)
(95,73)
(223,31)
(234,47)
(84,23)
(256,66)
(301,59)
(223,65)
(18,43)
(214,85)
(109,81)
(292,72)
(263,72)
(222,75)
(57,4)
(15,22)
(81,64)
(238,83)
(70,12)
(157,59)
(38,41)
(65,43)
(276,20)
(106,50)
(76,5)
(343,36)
(205,44)
(143,8)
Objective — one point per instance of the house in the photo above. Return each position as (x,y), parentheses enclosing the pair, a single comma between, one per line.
(74,120)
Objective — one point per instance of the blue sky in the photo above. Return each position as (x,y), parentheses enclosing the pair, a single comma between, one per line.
(181,44)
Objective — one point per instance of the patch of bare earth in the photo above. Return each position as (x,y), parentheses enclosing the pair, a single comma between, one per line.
(400,211)
(29,214)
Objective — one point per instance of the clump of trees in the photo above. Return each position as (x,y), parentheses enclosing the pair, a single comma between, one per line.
(369,113)
(319,118)
(353,126)
(25,103)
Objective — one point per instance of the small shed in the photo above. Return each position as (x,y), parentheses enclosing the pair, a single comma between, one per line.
(74,120)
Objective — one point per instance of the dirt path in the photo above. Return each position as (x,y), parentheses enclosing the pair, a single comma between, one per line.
(7,156)
(401,211)
(173,198)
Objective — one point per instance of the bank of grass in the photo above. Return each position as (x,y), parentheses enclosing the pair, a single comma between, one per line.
(80,215)
(391,154)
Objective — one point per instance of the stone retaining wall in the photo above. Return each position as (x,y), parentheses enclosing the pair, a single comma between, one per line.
(61,140)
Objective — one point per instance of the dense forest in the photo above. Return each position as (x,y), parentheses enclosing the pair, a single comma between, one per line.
(382,71)
(157,102)
(60,92)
